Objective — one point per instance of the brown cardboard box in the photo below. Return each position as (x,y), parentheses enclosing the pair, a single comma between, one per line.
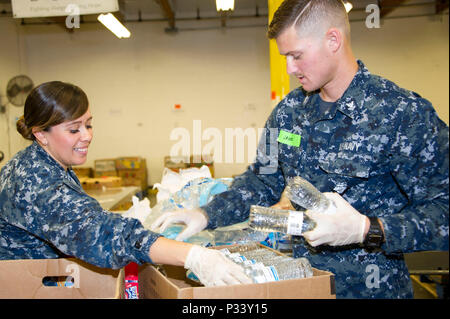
(134,162)
(132,177)
(153,284)
(133,171)
(176,163)
(83,171)
(100,182)
(105,167)
(22,279)
(180,162)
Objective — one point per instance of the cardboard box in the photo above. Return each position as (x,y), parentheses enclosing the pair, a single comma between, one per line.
(154,284)
(83,171)
(133,171)
(176,163)
(130,163)
(105,167)
(132,177)
(100,182)
(23,279)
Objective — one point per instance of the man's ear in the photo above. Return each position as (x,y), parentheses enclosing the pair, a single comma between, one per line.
(39,135)
(334,39)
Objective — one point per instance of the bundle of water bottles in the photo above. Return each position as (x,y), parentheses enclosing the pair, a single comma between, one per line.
(264,265)
(292,222)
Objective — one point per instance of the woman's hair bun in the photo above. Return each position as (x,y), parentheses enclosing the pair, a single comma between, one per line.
(23,129)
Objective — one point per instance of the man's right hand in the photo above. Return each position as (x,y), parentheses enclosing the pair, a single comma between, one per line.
(196,220)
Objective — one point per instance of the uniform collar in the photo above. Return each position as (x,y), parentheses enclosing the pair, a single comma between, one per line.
(55,168)
(350,103)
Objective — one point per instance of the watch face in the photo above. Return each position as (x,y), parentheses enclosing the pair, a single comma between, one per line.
(374,240)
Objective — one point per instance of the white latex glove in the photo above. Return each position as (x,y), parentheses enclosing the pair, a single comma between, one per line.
(194,219)
(345,226)
(214,269)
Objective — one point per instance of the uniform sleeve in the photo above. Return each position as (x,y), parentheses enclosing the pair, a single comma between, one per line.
(76,225)
(261,184)
(419,164)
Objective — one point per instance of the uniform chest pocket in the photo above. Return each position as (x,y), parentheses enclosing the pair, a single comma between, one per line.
(344,173)
(346,167)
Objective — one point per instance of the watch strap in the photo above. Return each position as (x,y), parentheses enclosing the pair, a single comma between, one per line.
(375,236)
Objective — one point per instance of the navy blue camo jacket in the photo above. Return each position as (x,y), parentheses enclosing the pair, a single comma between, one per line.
(45,213)
(384,149)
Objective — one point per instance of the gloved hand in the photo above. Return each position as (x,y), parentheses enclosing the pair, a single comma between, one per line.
(345,226)
(195,220)
(213,269)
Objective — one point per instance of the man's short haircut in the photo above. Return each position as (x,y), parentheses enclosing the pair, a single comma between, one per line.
(309,16)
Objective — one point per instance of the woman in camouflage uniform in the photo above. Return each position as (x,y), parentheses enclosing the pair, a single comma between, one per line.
(44,212)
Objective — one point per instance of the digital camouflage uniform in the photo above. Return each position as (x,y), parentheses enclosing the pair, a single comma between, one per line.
(384,150)
(45,213)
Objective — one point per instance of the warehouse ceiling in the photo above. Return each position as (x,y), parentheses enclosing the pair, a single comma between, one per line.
(174,12)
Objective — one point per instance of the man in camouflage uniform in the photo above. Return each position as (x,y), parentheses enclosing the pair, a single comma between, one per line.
(380,149)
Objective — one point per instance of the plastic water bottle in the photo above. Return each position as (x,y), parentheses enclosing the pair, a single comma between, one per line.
(263,265)
(279,268)
(290,222)
(303,193)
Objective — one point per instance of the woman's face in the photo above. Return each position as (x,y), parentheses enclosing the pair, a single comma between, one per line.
(68,142)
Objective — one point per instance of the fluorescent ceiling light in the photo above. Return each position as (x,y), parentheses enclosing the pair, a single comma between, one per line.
(224,5)
(348,6)
(114,25)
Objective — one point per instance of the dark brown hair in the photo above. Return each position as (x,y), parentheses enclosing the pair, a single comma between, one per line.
(307,14)
(50,104)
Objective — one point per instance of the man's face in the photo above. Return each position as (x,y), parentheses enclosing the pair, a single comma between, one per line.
(307,58)
(68,142)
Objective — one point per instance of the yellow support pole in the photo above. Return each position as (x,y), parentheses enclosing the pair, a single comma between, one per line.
(279,79)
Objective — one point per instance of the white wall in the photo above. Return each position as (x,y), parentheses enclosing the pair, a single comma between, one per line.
(12,63)
(411,52)
(218,76)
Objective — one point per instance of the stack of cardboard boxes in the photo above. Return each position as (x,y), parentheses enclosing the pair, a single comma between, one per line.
(133,171)
(114,172)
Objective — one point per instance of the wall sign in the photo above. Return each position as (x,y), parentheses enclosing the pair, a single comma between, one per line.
(54,8)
